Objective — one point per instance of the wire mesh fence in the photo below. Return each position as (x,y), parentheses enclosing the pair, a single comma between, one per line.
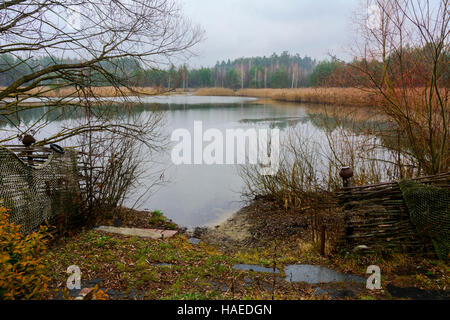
(38,185)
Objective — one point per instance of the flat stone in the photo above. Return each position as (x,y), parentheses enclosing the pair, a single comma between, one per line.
(164,233)
(168,233)
(144,233)
(85,294)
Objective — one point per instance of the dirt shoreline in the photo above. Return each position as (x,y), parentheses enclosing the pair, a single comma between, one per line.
(255,225)
(233,231)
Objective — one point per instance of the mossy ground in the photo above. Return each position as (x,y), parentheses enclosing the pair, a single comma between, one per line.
(133,265)
(173,268)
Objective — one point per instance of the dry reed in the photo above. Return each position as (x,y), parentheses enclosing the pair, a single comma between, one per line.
(109,91)
(214,92)
(334,96)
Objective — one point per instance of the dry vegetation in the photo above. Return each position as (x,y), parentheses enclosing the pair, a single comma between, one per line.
(109,91)
(335,96)
(172,268)
(214,92)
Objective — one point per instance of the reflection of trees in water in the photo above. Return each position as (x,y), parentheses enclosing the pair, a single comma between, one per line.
(114,111)
(321,121)
(50,114)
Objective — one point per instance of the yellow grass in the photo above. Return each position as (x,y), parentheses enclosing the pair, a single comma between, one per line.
(214,92)
(96,91)
(334,96)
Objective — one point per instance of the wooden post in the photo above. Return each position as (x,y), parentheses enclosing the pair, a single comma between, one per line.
(322,239)
(346,173)
(30,155)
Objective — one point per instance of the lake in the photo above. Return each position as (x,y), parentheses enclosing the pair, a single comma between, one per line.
(204,195)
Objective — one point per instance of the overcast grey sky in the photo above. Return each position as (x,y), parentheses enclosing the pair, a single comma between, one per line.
(243,28)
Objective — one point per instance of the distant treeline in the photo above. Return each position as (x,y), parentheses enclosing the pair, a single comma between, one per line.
(276,71)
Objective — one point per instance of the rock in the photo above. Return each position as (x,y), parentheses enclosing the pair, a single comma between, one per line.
(194,240)
(198,232)
(85,294)
(319,292)
(361,248)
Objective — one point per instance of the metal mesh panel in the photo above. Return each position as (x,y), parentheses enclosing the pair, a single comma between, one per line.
(36,194)
(429,210)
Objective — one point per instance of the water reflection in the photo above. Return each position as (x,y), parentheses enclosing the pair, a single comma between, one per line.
(195,194)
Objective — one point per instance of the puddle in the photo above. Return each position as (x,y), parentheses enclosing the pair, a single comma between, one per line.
(162,264)
(317,274)
(256,268)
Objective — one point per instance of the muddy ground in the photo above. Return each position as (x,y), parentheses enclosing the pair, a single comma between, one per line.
(261,234)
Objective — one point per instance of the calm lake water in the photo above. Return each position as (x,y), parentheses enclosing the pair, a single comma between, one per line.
(199,195)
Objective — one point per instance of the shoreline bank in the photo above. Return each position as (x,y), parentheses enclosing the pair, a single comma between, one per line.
(330,96)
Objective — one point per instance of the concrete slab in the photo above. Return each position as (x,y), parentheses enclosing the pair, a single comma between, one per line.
(165,233)
(144,233)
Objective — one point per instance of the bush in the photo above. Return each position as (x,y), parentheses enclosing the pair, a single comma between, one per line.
(21,261)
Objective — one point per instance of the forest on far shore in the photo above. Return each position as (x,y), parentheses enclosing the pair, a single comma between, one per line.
(277,71)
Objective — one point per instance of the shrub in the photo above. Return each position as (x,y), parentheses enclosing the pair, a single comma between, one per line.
(21,261)
(157,218)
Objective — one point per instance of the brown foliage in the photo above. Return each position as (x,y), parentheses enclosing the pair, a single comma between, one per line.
(21,261)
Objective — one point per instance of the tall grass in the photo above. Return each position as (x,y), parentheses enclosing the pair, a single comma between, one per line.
(310,166)
(334,96)
(214,92)
(110,91)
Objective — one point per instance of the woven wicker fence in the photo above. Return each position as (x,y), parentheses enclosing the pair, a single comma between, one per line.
(39,185)
(377,216)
